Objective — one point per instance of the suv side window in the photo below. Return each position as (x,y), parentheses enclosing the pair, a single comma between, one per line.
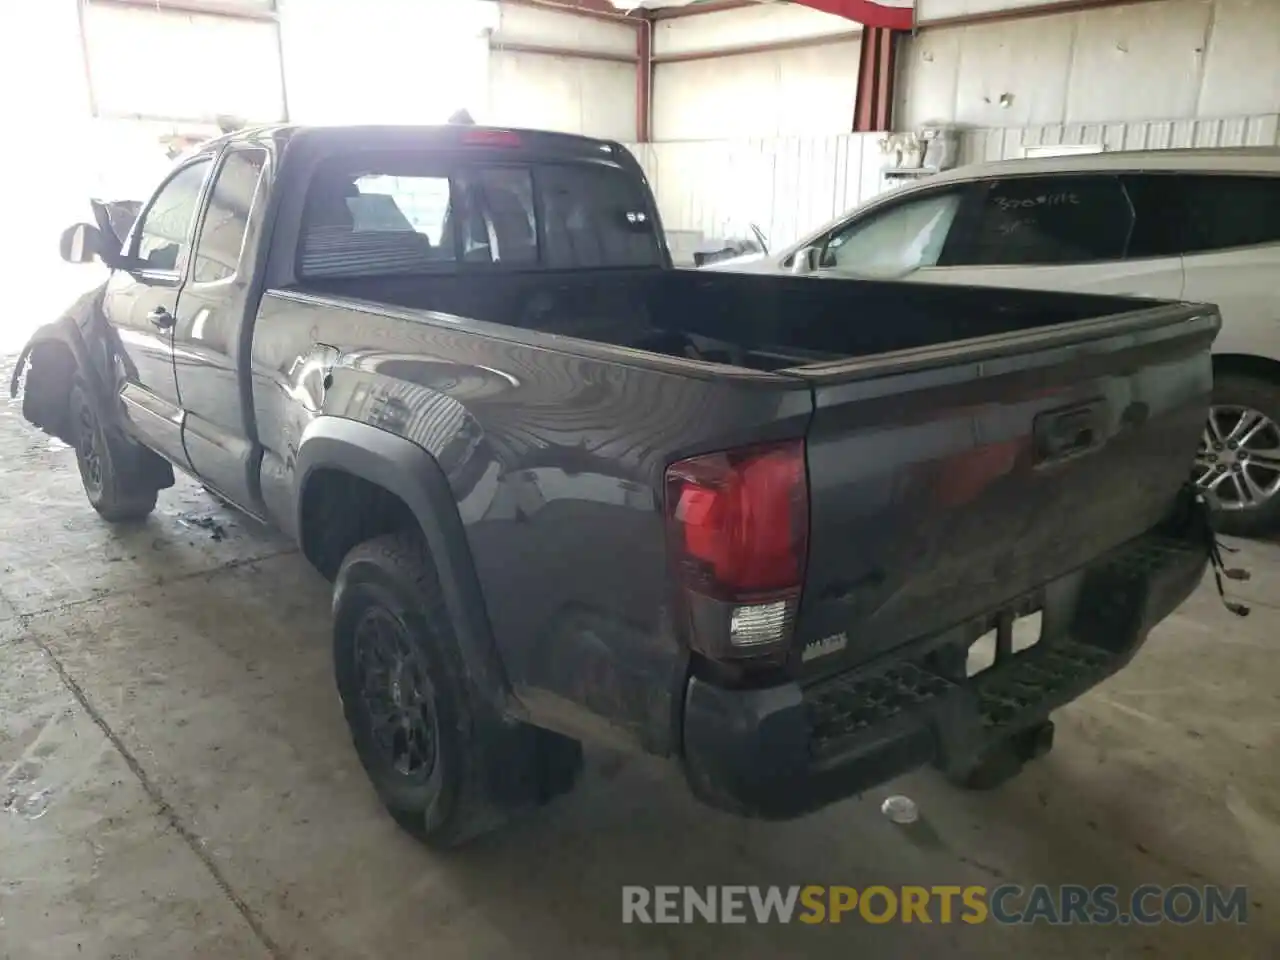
(1225,211)
(226,217)
(1043,221)
(902,237)
(162,235)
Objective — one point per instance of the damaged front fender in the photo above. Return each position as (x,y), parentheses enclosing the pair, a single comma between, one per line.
(51,360)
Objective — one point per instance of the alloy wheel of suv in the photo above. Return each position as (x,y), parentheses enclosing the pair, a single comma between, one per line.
(1238,464)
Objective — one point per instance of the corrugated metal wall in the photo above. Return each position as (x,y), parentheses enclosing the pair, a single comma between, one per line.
(802,91)
(571,94)
(1007,143)
(790,185)
(1177,59)
(786,185)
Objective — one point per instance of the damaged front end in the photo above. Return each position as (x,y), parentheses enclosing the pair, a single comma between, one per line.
(44,372)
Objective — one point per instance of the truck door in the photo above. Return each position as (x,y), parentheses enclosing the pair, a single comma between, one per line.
(218,299)
(140,304)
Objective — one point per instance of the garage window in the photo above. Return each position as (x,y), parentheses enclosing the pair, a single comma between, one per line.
(1029,221)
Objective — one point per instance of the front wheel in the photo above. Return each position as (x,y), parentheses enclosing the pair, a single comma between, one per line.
(1238,464)
(108,491)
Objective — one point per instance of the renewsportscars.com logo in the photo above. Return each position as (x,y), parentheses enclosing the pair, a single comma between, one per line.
(1067,904)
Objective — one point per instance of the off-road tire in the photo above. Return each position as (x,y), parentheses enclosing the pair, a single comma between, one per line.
(108,491)
(389,582)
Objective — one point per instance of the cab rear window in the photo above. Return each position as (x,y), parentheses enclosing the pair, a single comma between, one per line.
(403,215)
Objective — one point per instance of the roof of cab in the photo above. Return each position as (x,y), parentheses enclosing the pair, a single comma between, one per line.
(390,136)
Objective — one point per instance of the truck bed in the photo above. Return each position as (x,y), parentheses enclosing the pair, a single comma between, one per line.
(757,322)
(964,445)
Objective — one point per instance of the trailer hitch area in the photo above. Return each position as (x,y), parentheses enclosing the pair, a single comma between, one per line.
(1005,760)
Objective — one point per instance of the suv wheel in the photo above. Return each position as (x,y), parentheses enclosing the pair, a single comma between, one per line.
(1238,464)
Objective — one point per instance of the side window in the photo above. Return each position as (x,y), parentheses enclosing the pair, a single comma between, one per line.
(227,216)
(1042,221)
(1226,211)
(1159,215)
(161,237)
(372,222)
(904,237)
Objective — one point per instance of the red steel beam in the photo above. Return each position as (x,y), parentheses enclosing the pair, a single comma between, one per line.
(873,106)
(644,81)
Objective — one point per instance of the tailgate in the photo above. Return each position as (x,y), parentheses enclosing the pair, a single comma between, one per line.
(947,482)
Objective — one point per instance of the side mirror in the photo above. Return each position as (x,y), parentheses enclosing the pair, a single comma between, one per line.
(81,243)
(806,260)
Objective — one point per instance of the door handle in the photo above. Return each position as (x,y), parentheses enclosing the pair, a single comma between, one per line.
(161,319)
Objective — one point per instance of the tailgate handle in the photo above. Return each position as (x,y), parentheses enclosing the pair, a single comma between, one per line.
(1061,434)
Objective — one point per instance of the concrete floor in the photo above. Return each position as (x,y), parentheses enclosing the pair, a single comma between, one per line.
(177,781)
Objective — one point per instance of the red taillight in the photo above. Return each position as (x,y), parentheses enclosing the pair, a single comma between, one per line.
(739,521)
(490,138)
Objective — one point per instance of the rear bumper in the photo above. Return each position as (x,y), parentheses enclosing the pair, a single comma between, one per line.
(785,751)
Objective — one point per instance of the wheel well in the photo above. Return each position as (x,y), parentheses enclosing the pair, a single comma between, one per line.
(340,510)
(47,387)
(1250,365)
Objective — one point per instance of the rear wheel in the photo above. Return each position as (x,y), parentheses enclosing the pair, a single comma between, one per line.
(109,492)
(404,694)
(1238,464)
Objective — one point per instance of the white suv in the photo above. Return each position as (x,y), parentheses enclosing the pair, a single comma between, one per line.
(1201,225)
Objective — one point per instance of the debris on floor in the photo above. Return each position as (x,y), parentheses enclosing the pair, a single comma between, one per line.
(900,809)
(216,530)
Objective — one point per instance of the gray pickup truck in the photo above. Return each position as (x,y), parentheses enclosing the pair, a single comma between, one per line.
(566,492)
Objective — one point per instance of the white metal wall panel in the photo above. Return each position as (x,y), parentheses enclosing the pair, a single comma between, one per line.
(1181,59)
(725,29)
(385,61)
(786,185)
(1242,75)
(592,97)
(803,91)
(1262,130)
(551,28)
(125,46)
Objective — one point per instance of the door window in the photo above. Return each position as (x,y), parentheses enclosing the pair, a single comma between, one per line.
(226,218)
(1229,211)
(904,237)
(1037,221)
(163,234)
